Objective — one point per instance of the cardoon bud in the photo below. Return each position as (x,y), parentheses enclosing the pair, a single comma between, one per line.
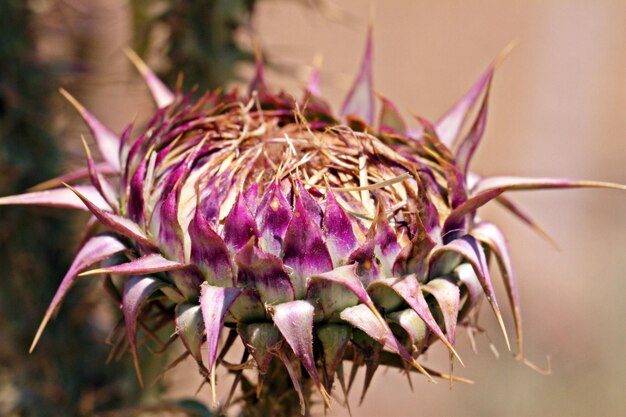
(315,238)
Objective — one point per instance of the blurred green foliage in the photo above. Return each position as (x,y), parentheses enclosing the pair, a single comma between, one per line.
(199,38)
(67,375)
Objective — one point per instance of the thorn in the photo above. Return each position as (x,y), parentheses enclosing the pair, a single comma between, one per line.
(40,330)
(159,91)
(259,385)
(231,393)
(494,350)
(450,377)
(377,314)
(180,79)
(451,367)
(314,78)
(108,142)
(408,376)
(212,377)
(115,347)
(324,395)
(294,380)
(137,367)
(258,53)
(534,367)
(318,60)
(509,205)
(79,107)
(93,272)
(353,372)
(342,383)
(505,52)
(200,387)
(87,151)
(453,351)
(171,366)
(472,339)
(503,328)
(258,83)
(423,371)
(372,16)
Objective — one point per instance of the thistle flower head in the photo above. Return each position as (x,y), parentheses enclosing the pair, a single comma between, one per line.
(312,237)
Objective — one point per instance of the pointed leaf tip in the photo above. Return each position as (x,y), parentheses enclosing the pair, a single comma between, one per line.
(313,86)
(265,273)
(449,126)
(136,291)
(209,253)
(468,145)
(214,303)
(96,249)
(58,197)
(190,327)
(338,233)
(273,217)
(363,318)
(294,379)
(410,290)
(490,188)
(145,265)
(295,322)
(161,95)
(262,340)
(239,225)
(117,223)
(108,142)
(518,212)
(447,296)
(390,120)
(104,187)
(258,83)
(360,100)
(347,277)
(471,250)
(304,250)
(491,184)
(334,340)
(492,236)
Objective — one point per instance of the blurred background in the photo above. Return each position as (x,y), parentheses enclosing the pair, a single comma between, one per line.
(558,109)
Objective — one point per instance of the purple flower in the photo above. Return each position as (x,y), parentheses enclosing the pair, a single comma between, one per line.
(311,236)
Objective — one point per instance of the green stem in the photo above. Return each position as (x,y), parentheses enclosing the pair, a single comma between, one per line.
(278,397)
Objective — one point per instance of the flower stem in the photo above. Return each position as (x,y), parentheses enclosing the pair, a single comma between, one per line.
(277,397)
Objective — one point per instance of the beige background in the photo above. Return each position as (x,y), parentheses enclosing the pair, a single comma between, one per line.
(558,109)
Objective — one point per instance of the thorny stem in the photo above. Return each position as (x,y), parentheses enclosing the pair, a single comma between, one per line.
(277,397)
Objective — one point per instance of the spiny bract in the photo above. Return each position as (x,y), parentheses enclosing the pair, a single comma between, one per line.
(312,237)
